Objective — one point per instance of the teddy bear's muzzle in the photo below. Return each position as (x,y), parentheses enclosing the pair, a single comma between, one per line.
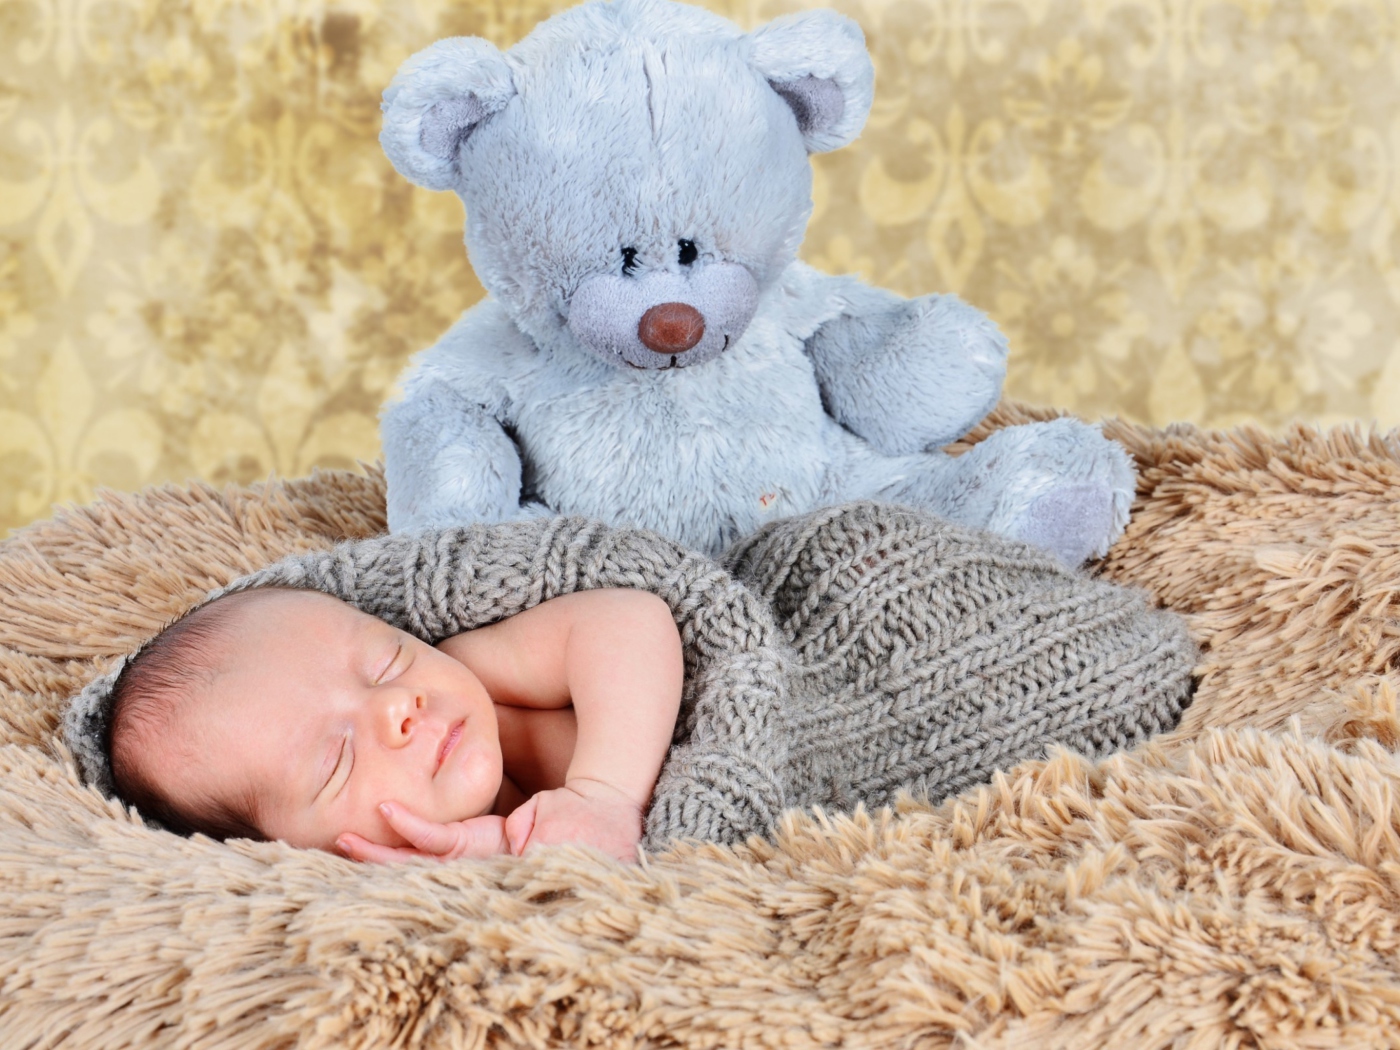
(663,320)
(671,328)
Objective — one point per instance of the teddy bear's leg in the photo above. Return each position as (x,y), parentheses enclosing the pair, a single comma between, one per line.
(446,462)
(1060,485)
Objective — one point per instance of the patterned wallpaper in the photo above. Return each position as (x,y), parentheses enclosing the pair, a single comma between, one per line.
(1176,209)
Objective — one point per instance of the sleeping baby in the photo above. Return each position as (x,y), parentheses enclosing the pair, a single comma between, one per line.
(288,714)
(475,691)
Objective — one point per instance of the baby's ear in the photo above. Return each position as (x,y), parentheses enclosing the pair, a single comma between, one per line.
(436,99)
(817,62)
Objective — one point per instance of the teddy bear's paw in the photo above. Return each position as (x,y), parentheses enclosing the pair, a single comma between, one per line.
(940,371)
(1060,485)
(1075,523)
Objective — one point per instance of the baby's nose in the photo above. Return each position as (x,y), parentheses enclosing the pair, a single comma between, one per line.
(400,710)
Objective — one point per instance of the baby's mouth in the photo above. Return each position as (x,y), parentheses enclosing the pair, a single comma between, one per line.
(448,743)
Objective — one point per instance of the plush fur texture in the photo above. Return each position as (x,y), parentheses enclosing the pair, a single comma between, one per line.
(1233,883)
(636,153)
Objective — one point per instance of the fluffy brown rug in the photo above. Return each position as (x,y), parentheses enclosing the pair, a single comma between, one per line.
(1233,884)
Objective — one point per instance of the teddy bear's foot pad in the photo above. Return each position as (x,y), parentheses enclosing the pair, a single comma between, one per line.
(1074,523)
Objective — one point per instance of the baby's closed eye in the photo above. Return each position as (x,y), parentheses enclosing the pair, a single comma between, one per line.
(340,772)
(393,666)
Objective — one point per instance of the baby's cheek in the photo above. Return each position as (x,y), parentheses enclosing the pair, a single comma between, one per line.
(472,789)
(361,815)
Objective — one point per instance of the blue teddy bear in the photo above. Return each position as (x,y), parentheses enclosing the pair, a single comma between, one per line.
(651,352)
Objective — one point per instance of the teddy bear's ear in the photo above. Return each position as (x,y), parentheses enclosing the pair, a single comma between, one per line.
(435,101)
(817,62)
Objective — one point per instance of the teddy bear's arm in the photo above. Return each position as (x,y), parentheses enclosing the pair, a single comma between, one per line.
(449,458)
(446,461)
(905,374)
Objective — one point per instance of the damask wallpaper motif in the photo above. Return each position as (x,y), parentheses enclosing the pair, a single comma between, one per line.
(1176,209)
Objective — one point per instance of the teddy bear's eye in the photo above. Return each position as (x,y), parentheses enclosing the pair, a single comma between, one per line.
(629,260)
(688,252)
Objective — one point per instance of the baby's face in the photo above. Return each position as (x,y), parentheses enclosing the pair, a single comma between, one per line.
(323,712)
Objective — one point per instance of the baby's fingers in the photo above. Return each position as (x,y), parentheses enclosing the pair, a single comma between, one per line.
(520,825)
(368,852)
(424,835)
(479,837)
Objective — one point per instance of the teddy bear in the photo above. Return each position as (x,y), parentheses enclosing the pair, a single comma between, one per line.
(651,352)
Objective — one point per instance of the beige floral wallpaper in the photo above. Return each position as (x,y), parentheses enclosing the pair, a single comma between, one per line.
(1177,209)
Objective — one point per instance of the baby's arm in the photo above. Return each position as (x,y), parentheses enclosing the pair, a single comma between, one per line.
(616,656)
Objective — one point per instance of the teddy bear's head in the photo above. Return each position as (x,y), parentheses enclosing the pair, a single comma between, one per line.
(635,172)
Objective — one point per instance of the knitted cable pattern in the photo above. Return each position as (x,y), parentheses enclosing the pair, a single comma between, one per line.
(929,655)
(906,652)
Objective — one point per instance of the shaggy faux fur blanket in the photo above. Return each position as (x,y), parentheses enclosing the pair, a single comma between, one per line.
(1235,882)
(913,653)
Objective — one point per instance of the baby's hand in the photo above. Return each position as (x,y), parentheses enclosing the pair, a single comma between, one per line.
(586,811)
(476,837)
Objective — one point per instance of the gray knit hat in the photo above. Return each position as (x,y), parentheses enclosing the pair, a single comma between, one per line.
(832,659)
(86,726)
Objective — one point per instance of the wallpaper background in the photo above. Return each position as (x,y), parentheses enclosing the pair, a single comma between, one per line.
(1176,209)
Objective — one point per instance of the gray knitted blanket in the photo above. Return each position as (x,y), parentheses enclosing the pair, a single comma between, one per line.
(830,659)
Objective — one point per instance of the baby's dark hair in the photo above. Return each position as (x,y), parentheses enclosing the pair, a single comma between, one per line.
(168,671)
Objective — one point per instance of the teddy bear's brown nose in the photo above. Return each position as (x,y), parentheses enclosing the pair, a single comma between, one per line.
(671,328)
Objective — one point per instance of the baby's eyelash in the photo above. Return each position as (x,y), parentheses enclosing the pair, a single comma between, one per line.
(339,761)
(349,750)
(384,674)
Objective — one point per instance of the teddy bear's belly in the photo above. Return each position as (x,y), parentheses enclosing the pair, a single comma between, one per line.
(657,451)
